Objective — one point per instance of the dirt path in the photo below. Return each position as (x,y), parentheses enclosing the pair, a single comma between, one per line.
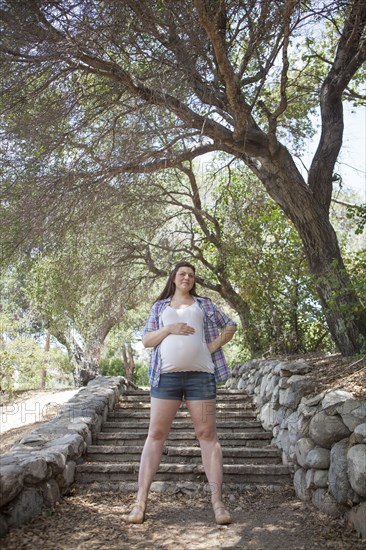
(33,406)
(27,411)
(275,521)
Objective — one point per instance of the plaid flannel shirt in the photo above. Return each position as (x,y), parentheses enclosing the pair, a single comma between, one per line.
(214,319)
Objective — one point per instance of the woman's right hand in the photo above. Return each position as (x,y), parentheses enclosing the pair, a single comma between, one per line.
(154,338)
(181,328)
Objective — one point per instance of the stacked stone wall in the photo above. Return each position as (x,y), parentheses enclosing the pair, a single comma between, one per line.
(322,437)
(38,470)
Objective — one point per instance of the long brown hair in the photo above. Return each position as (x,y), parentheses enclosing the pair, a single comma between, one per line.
(169,288)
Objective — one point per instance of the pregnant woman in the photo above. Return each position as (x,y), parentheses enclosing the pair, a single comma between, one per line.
(186,333)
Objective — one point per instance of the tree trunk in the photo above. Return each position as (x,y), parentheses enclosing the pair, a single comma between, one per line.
(241,307)
(85,358)
(341,305)
(131,363)
(295,340)
(88,367)
(124,357)
(342,308)
(44,369)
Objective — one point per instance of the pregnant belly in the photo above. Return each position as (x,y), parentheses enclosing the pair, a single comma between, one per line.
(182,351)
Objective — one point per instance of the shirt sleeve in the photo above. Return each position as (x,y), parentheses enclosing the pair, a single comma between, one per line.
(222,319)
(152,322)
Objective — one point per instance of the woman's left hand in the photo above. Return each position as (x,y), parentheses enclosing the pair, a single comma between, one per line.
(225,336)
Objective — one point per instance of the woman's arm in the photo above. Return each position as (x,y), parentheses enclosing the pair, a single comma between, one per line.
(155,337)
(226,335)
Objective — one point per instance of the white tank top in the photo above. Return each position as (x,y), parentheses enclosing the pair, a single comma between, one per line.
(185,353)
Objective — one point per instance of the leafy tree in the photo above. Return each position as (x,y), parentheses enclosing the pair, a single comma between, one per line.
(245,250)
(358,212)
(27,359)
(112,367)
(81,297)
(120,355)
(17,318)
(141,376)
(237,76)
(30,361)
(6,370)
(266,260)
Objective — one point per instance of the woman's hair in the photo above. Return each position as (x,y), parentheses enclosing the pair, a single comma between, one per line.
(169,288)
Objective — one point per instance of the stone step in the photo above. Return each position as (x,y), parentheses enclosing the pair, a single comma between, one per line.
(134,398)
(249,460)
(229,406)
(223,398)
(190,488)
(258,474)
(180,438)
(130,453)
(145,413)
(220,391)
(142,424)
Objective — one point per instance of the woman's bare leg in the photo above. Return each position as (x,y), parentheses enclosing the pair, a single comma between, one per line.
(162,414)
(203,414)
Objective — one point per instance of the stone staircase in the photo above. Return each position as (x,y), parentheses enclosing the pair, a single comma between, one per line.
(249,460)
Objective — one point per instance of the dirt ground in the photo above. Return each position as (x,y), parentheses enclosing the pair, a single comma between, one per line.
(276,521)
(87,519)
(335,371)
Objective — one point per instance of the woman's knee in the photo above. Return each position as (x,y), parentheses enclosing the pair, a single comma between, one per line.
(206,433)
(158,433)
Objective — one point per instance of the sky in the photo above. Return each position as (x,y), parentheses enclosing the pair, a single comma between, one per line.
(351,163)
(353,153)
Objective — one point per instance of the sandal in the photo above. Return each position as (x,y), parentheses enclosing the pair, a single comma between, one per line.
(137,514)
(222,516)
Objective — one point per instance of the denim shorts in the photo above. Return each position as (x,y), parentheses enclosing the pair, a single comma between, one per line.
(190,385)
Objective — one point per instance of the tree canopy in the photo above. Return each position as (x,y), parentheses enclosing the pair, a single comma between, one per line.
(98,95)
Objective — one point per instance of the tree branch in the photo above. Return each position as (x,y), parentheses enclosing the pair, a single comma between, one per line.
(350,55)
(161,164)
(233,92)
(197,210)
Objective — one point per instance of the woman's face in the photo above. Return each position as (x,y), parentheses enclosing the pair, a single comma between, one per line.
(184,279)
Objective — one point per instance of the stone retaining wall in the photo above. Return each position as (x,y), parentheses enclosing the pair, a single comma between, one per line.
(40,468)
(322,437)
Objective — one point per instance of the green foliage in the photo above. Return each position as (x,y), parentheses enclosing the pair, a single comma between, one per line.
(50,290)
(22,363)
(236,350)
(16,314)
(357,267)
(349,222)
(260,254)
(21,330)
(7,361)
(357,213)
(141,377)
(72,198)
(356,264)
(263,255)
(112,367)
